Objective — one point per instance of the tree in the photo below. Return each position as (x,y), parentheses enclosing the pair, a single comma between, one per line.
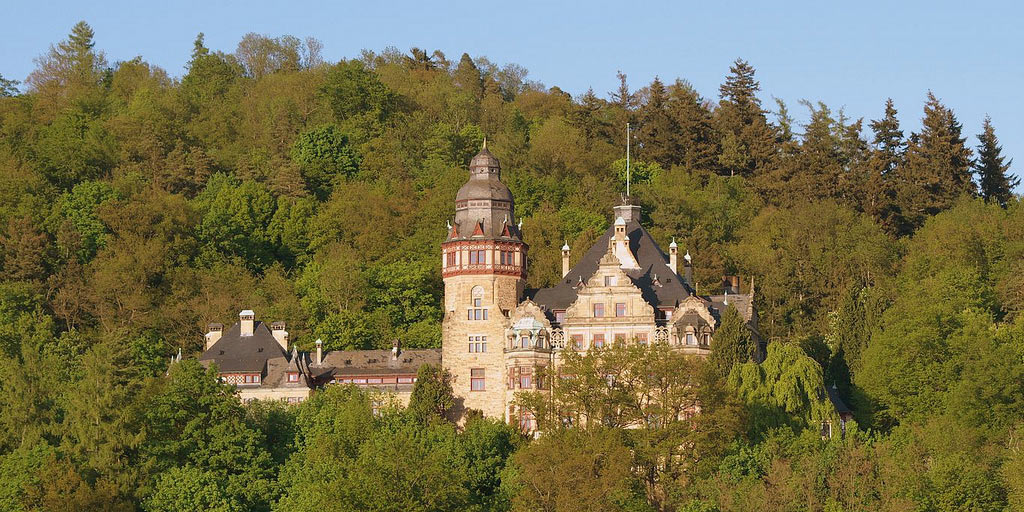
(432,396)
(995,182)
(886,158)
(787,389)
(324,155)
(70,69)
(575,469)
(733,342)
(938,167)
(8,88)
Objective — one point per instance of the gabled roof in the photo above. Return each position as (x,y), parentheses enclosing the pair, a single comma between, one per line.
(652,261)
(236,353)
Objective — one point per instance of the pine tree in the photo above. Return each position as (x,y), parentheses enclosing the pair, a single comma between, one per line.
(732,341)
(657,132)
(996,184)
(468,77)
(938,167)
(696,145)
(740,114)
(888,155)
(740,90)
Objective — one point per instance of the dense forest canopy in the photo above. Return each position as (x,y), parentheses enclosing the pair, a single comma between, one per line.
(137,207)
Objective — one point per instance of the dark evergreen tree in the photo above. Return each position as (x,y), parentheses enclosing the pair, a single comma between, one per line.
(888,155)
(733,343)
(938,167)
(993,175)
(748,141)
(692,121)
(656,131)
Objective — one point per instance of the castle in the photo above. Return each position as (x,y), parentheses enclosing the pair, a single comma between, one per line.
(496,333)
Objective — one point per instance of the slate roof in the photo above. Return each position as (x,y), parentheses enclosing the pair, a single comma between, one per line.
(236,353)
(653,262)
(375,362)
(837,401)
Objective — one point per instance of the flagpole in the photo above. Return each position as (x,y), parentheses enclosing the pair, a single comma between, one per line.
(627,160)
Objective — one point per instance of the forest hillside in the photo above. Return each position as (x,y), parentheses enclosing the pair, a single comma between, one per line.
(137,206)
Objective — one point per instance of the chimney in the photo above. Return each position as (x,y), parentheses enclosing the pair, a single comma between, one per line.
(673,255)
(396,348)
(731,284)
(281,335)
(565,259)
(688,269)
(213,333)
(247,320)
(319,351)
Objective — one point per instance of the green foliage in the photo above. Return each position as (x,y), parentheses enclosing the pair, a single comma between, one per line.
(432,396)
(137,207)
(324,155)
(786,389)
(734,343)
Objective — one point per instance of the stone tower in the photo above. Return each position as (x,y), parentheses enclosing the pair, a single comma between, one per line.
(483,263)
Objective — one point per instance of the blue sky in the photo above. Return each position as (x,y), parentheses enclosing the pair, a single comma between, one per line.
(850,55)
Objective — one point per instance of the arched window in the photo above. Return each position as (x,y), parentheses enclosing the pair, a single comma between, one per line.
(476,310)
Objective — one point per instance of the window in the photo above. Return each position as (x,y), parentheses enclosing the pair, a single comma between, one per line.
(476,379)
(559,316)
(359,381)
(620,309)
(405,380)
(620,337)
(526,421)
(610,281)
(293,377)
(374,380)
(668,314)
(524,342)
(477,257)
(641,337)
(577,341)
(451,259)
(524,381)
(477,312)
(690,339)
(508,258)
(477,344)
(252,379)
(598,310)
(598,341)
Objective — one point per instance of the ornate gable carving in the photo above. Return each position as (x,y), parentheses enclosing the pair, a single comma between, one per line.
(694,304)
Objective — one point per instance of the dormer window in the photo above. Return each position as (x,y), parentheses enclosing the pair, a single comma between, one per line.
(610,281)
(293,376)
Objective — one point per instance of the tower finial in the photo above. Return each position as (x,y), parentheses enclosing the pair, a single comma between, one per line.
(485,142)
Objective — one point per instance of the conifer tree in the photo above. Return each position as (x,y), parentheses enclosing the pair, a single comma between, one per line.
(657,131)
(887,157)
(938,167)
(740,114)
(996,184)
(733,343)
(692,120)
(740,90)
(468,77)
